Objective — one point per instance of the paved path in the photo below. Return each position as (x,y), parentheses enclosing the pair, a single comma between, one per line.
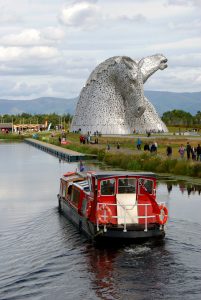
(58,151)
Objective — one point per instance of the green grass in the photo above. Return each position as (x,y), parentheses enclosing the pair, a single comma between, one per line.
(128,157)
(11,137)
(131,159)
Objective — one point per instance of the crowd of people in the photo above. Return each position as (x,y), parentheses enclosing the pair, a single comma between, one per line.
(192,152)
(86,139)
(188,151)
(185,151)
(151,147)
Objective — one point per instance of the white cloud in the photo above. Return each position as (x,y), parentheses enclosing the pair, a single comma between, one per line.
(22,89)
(190,60)
(87,14)
(184,25)
(16,53)
(138,18)
(80,14)
(31,36)
(8,16)
(184,2)
(174,78)
(54,58)
(42,52)
(53,33)
(25,38)
(180,44)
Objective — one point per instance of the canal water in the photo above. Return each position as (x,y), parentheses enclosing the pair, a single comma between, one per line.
(42,256)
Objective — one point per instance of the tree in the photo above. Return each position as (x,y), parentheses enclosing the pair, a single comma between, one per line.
(177,117)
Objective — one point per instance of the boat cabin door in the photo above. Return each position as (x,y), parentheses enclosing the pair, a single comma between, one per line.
(127,210)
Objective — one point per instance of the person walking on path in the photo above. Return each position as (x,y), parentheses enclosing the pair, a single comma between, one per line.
(153,148)
(139,143)
(146,147)
(169,151)
(193,152)
(181,151)
(198,150)
(108,146)
(156,146)
(188,150)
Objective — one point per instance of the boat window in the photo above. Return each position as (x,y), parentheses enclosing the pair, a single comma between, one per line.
(69,189)
(75,196)
(146,186)
(126,186)
(108,187)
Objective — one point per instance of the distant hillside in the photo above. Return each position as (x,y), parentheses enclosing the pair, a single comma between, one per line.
(38,106)
(163,101)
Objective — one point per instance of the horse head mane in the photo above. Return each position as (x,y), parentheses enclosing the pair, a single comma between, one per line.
(105,65)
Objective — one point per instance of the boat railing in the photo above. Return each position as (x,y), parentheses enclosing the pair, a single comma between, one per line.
(125,209)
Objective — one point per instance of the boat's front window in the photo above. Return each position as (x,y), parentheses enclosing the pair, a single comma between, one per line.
(126,186)
(146,186)
(108,187)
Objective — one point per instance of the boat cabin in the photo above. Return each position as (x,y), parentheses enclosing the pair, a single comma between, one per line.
(112,198)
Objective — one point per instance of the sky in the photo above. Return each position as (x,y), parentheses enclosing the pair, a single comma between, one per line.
(50,47)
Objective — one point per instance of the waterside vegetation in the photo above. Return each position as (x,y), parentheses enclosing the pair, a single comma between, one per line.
(129,158)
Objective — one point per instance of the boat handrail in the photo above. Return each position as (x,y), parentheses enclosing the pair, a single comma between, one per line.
(146,216)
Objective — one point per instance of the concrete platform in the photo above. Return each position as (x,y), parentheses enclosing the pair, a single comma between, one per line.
(62,153)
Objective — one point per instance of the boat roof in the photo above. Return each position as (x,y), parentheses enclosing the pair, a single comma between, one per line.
(103,174)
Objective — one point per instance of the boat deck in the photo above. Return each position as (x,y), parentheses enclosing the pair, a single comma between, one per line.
(60,152)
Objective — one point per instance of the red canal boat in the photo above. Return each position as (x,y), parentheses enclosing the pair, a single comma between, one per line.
(113,205)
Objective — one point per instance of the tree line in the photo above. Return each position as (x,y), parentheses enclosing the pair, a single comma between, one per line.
(181,118)
(170,118)
(25,118)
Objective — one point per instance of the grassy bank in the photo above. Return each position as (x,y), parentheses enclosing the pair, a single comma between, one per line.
(129,158)
(146,162)
(9,137)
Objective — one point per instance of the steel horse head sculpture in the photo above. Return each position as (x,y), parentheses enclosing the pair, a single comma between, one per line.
(113,102)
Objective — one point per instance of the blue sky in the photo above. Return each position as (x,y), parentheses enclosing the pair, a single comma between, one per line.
(50,47)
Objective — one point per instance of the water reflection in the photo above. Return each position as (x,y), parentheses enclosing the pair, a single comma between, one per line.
(184,187)
(132,272)
(101,263)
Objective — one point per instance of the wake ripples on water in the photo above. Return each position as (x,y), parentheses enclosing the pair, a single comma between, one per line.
(53,260)
(40,247)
